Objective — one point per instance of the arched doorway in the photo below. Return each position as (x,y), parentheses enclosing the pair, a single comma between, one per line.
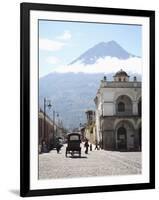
(124,135)
(122,138)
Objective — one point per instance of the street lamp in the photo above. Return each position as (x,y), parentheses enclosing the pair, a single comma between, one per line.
(47,103)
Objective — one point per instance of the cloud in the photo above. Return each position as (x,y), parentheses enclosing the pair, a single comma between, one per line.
(52,60)
(104,65)
(65,36)
(50,45)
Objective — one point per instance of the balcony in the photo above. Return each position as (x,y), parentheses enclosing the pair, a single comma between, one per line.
(125,113)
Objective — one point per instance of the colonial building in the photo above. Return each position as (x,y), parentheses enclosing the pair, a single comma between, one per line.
(90,128)
(118,113)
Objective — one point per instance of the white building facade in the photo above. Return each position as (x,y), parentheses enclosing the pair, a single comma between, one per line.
(118,113)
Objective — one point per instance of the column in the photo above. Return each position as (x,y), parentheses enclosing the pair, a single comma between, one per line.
(135,108)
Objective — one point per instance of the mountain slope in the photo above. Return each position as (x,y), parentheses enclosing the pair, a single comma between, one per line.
(72,94)
(102,50)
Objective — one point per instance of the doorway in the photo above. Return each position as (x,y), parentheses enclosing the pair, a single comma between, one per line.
(122,139)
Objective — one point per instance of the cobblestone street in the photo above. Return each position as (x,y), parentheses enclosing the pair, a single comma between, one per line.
(96,163)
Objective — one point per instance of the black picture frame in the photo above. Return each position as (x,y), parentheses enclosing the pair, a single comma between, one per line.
(25,9)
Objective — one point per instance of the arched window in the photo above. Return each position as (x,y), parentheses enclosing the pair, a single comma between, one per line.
(121,107)
(124,105)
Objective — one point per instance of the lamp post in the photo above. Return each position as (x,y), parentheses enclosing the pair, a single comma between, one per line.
(47,103)
(57,116)
(53,125)
(53,119)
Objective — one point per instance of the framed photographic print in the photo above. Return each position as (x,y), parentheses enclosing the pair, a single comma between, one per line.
(87,99)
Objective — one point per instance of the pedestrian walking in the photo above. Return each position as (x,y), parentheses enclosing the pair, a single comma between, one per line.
(90,147)
(59,145)
(86,146)
(97,146)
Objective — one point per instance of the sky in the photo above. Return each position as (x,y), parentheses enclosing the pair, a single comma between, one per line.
(62,42)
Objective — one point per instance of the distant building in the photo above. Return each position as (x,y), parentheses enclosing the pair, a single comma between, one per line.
(118,113)
(47,135)
(90,128)
(52,131)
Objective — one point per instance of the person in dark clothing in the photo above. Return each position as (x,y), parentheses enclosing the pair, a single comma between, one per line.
(86,146)
(97,146)
(58,148)
(59,145)
(90,147)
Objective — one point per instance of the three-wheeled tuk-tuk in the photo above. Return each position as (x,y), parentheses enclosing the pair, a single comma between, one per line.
(73,144)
